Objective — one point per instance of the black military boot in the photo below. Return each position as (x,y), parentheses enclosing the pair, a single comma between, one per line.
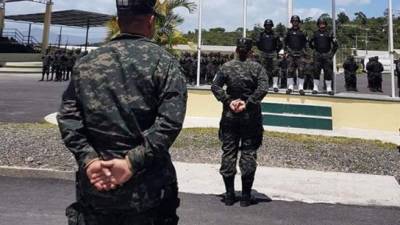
(229,197)
(247,198)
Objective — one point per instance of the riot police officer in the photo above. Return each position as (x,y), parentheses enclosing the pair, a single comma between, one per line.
(270,44)
(350,70)
(325,46)
(375,69)
(241,127)
(295,47)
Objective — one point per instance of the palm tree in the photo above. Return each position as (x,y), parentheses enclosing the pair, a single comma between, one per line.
(166,24)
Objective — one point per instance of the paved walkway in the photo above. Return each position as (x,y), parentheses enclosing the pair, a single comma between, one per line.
(33,201)
(273,183)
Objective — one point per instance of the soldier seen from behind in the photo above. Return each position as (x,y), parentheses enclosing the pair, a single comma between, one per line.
(241,127)
(325,47)
(120,114)
(295,48)
(269,45)
(375,69)
(350,67)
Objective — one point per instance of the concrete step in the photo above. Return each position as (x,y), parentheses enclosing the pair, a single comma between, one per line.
(24,65)
(12,70)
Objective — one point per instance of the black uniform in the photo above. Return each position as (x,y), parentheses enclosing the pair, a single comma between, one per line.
(295,45)
(375,69)
(350,74)
(325,48)
(269,44)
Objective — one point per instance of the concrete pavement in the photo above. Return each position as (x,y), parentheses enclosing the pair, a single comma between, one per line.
(33,201)
(272,183)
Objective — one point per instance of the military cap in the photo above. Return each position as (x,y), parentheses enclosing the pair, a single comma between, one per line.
(136,7)
(244,44)
(268,22)
(295,18)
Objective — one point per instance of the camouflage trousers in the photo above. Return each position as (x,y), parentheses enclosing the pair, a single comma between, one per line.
(79,216)
(296,64)
(323,62)
(244,136)
(270,63)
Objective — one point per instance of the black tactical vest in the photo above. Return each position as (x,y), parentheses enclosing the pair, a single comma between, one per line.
(296,40)
(267,42)
(322,42)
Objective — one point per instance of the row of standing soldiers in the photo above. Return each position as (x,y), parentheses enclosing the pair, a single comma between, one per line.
(209,66)
(294,67)
(58,65)
(295,45)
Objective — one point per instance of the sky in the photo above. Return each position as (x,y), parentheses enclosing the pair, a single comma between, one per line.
(216,13)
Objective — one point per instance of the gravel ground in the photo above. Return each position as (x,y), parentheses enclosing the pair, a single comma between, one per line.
(40,146)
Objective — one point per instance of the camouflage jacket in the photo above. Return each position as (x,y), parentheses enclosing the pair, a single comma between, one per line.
(126,83)
(246,80)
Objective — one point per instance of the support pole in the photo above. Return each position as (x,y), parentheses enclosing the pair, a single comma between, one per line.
(29,33)
(199,43)
(391,47)
(2,15)
(46,26)
(60,37)
(290,11)
(334,35)
(244,18)
(87,35)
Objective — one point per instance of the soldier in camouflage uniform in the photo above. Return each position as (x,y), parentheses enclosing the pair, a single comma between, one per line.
(119,116)
(46,59)
(325,46)
(295,47)
(70,65)
(241,127)
(269,44)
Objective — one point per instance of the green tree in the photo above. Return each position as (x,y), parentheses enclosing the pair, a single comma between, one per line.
(166,24)
(343,18)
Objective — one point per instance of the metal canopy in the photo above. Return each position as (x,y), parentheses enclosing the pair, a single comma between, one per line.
(71,18)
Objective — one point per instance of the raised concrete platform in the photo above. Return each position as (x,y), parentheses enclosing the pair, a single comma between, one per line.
(274,183)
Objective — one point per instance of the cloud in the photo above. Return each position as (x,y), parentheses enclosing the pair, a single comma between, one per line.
(350,2)
(311,12)
(229,14)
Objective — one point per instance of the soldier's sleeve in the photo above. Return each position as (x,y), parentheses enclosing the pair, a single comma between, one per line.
(168,123)
(286,43)
(70,122)
(217,88)
(262,88)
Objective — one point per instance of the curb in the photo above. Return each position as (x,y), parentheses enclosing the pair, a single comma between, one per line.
(23,172)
